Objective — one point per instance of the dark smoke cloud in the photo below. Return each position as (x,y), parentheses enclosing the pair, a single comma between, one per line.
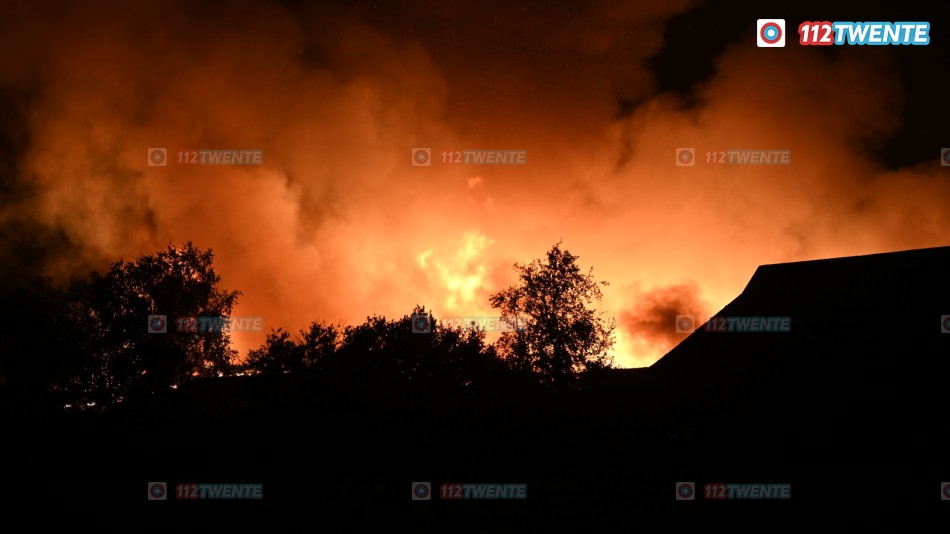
(651,319)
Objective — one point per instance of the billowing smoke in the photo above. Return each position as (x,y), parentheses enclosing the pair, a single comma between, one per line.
(651,320)
(337,224)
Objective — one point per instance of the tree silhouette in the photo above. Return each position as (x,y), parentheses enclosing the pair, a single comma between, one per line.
(559,337)
(177,282)
(104,337)
(387,353)
(282,353)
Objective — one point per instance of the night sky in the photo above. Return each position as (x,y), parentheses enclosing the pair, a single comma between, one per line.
(337,224)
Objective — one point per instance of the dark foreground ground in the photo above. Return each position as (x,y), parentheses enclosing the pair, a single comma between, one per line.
(590,454)
(849,408)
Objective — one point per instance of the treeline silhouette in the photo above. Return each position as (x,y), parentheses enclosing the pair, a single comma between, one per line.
(88,393)
(86,346)
(335,413)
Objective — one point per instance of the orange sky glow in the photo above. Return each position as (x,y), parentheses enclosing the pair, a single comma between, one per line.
(337,224)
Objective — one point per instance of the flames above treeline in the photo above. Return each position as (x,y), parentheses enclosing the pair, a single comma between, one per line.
(338,223)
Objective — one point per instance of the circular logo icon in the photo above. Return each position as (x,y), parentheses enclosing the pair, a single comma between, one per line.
(157,323)
(685,323)
(421,156)
(157,156)
(771,33)
(946,323)
(685,491)
(421,491)
(946,157)
(157,491)
(422,323)
(685,156)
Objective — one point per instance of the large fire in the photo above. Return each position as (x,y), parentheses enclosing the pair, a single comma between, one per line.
(337,223)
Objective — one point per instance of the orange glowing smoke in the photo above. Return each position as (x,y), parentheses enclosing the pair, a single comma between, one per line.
(337,224)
